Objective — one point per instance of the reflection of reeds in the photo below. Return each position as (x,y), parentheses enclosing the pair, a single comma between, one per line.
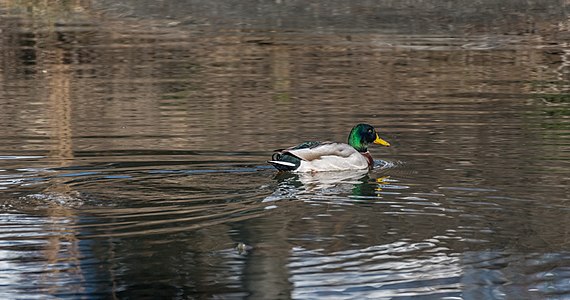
(190,83)
(46,12)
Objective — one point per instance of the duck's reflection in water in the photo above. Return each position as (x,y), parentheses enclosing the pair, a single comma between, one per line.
(308,186)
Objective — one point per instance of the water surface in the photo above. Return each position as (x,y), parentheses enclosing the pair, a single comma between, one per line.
(135,135)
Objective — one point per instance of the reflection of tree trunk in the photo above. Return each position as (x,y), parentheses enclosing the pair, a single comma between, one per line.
(267,272)
(59,98)
(281,70)
(62,239)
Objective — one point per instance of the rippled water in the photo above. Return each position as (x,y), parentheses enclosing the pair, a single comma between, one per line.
(135,136)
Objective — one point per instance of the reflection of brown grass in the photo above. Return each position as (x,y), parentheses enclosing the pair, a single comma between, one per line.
(47,11)
(191,83)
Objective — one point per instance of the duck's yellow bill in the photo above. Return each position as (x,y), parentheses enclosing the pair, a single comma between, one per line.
(380,141)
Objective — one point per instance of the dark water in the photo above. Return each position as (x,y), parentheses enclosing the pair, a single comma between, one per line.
(135,134)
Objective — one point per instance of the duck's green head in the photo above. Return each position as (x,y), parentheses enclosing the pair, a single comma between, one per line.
(363,134)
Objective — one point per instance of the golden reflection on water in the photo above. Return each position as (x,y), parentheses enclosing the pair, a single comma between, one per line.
(225,82)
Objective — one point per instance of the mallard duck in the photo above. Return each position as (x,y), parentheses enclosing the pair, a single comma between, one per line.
(330,156)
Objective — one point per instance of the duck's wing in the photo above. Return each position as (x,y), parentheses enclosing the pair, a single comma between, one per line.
(311,144)
(316,151)
(284,160)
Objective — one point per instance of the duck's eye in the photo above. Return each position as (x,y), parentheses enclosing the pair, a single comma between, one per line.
(369,130)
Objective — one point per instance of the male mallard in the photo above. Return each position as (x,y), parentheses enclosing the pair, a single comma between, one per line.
(330,156)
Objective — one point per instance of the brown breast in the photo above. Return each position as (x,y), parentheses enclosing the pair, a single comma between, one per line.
(369,159)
